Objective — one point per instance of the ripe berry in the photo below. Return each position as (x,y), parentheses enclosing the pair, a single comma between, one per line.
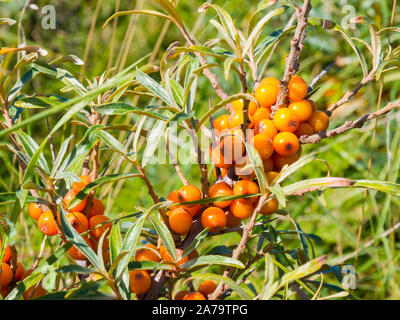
(252,108)
(193,210)
(297,88)
(99,225)
(286,143)
(194,296)
(263,144)
(179,260)
(269,206)
(271,80)
(180,294)
(139,281)
(243,168)
(189,193)
(148,254)
(235,120)
(302,108)
(34,210)
(232,148)
(237,105)
(76,254)
(260,114)
(286,120)
(69,196)
(319,121)
(7,253)
(174,197)
(280,161)
(219,159)
(6,274)
(78,221)
(304,130)
(78,186)
(241,210)
(19,272)
(313,105)
(96,209)
(221,122)
(266,94)
(244,187)
(268,165)
(231,220)
(207,287)
(213,218)
(267,126)
(221,189)
(34,292)
(47,224)
(271,175)
(180,221)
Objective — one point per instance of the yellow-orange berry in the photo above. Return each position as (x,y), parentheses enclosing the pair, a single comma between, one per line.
(286,120)
(34,210)
(221,123)
(194,296)
(78,221)
(237,105)
(319,121)
(231,220)
(243,168)
(266,94)
(207,287)
(78,186)
(139,281)
(96,209)
(47,224)
(76,254)
(219,159)
(179,260)
(180,294)
(34,292)
(271,175)
(271,80)
(232,148)
(268,164)
(263,144)
(19,272)
(280,161)
(260,114)
(145,254)
(6,274)
(269,206)
(286,143)
(235,120)
(180,221)
(100,225)
(244,187)
(297,88)
(304,130)
(302,108)
(69,196)
(221,189)
(267,127)
(213,218)
(7,253)
(241,210)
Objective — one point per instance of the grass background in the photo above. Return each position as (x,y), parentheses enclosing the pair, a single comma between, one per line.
(333,215)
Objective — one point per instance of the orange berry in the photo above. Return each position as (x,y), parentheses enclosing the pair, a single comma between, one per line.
(47,224)
(221,189)
(304,130)
(319,121)
(269,206)
(4,291)
(235,120)
(6,274)
(271,175)
(267,126)
(286,119)
(148,254)
(96,209)
(78,221)
(237,105)
(221,123)
(174,197)
(302,108)
(271,80)
(241,210)
(286,143)
(266,94)
(19,272)
(244,187)
(280,161)
(193,210)
(260,114)
(297,88)
(76,254)
(189,193)
(180,221)
(34,210)
(268,164)
(263,144)
(7,253)
(194,296)
(213,218)
(180,294)
(167,257)
(34,292)
(78,186)
(219,159)
(232,147)
(313,105)
(99,226)
(243,168)
(252,108)
(139,281)
(69,196)
(231,220)
(207,287)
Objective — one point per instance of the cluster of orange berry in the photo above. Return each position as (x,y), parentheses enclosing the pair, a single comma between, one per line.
(204,289)
(81,217)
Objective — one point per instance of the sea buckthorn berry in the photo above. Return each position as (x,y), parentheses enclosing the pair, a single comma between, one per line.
(194,296)
(304,130)
(241,210)
(221,123)
(69,196)
(34,292)
(237,105)
(271,80)
(213,218)
(244,187)
(78,186)
(266,94)
(99,225)
(302,108)
(47,224)
(174,197)
(180,261)
(193,210)
(7,253)
(267,127)
(252,108)
(313,105)
(281,161)
(286,143)
(231,220)
(78,221)
(271,175)
(180,221)
(269,206)
(219,159)
(223,171)
(263,144)
(34,210)
(221,189)
(96,209)
(6,274)
(4,291)
(180,294)
(19,272)
(319,121)
(189,193)
(232,148)
(260,114)
(297,88)
(286,120)
(235,120)
(76,254)
(207,287)
(145,254)
(268,165)
(244,169)
(139,281)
